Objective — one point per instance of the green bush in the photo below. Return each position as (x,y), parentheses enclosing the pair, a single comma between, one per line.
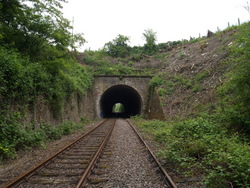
(15,136)
(161,92)
(156,81)
(35,62)
(23,81)
(118,47)
(228,164)
(202,145)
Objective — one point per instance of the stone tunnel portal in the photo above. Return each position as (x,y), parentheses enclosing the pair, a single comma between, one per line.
(120,94)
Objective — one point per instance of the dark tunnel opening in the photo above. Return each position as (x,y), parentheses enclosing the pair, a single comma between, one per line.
(125,95)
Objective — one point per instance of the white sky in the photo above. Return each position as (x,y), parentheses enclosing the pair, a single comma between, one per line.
(101,21)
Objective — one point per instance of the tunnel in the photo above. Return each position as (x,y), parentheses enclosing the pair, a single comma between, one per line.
(128,97)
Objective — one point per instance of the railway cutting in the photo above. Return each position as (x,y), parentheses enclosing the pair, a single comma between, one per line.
(112,154)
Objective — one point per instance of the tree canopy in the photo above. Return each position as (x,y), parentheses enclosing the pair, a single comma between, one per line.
(118,47)
(150,37)
(36,27)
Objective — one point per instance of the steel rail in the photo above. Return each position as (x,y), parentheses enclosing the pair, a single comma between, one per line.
(18,180)
(164,172)
(83,180)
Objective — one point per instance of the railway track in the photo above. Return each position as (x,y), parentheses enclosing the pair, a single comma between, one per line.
(166,176)
(72,166)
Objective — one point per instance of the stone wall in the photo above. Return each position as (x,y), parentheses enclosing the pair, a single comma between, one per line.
(154,109)
(74,108)
(88,105)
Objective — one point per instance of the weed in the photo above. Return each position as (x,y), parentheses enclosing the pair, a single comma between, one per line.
(202,76)
(156,81)
(196,87)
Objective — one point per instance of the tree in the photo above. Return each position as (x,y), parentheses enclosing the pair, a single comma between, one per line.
(34,26)
(150,37)
(118,47)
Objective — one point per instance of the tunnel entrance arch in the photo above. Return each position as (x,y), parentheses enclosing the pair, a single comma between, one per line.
(123,94)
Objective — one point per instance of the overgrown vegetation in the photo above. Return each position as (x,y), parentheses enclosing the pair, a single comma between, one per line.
(235,92)
(22,81)
(34,55)
(202,146)
(36,62)
(212,144)
(150,47)
(118,47)
(100,64)
(167,84)
(15,136)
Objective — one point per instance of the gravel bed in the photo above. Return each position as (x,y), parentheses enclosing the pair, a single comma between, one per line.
(56,185)
(65,171)
(129,165)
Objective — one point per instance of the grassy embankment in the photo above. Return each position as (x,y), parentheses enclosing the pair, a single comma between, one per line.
(213,140)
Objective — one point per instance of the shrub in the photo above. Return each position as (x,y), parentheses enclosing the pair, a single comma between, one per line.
(202,145)
(14,136)
(156,81)
(118,47)
(23,81)
(228,164)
